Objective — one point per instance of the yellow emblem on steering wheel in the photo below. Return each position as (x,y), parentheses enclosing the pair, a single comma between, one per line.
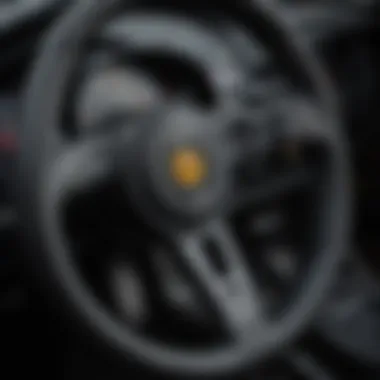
(188,168)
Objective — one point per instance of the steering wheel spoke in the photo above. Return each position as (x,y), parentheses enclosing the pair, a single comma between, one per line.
(216,265)
(276,187)
(82,166)
(252,132)
(300,124)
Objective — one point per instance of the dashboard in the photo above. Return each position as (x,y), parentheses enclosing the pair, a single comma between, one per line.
(346,36)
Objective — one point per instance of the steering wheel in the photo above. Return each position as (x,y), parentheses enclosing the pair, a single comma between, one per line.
(176,167)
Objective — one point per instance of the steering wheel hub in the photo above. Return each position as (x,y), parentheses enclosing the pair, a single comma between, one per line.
(179,169)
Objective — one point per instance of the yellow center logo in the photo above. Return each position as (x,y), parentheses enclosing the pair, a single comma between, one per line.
(188,168)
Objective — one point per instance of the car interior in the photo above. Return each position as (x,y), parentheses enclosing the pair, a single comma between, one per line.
(188,189)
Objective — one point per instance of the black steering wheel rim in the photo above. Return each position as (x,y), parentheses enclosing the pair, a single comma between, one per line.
(59,56)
